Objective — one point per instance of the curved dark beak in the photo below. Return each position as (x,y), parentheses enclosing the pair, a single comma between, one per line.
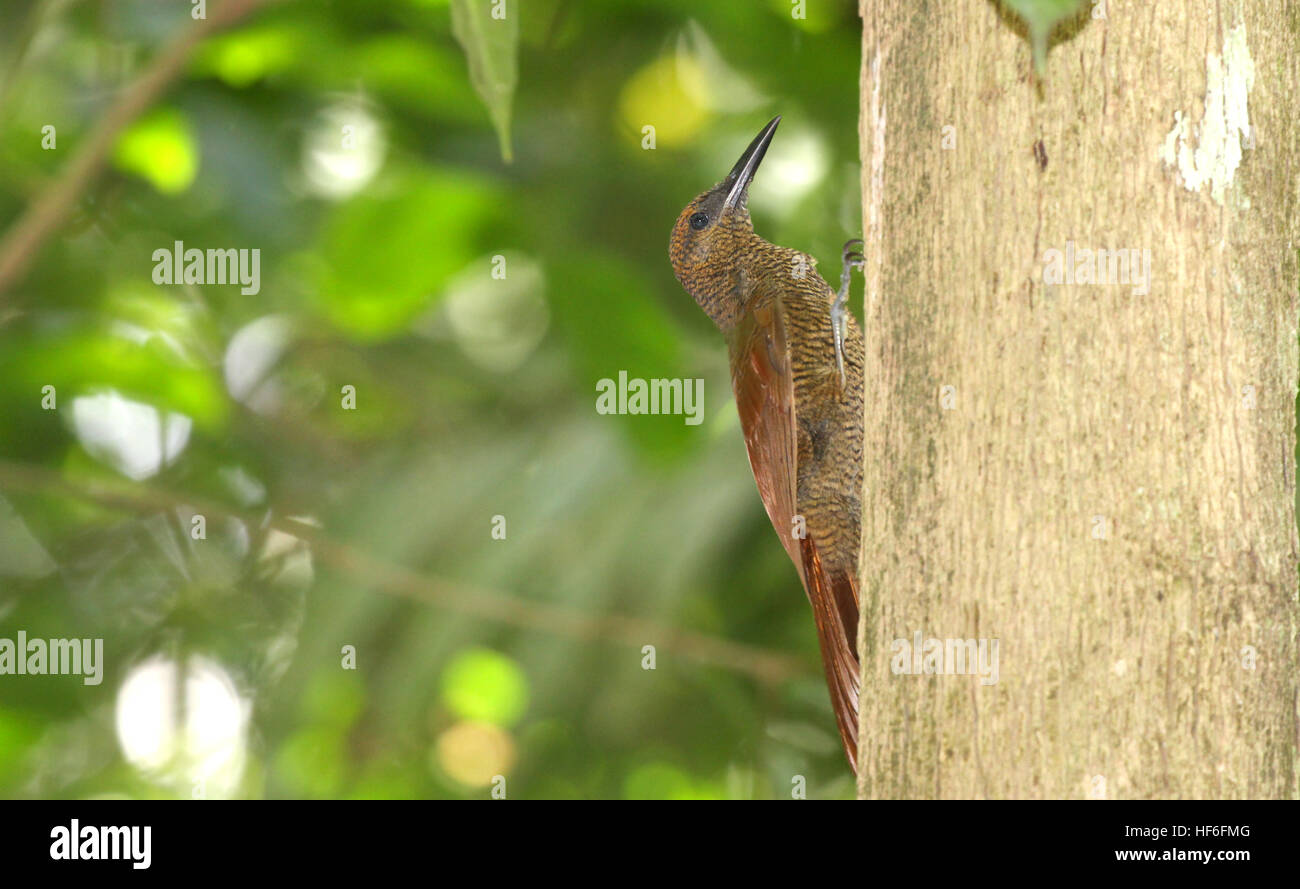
(737,181)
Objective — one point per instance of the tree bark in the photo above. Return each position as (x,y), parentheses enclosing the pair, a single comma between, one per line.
(1099,478)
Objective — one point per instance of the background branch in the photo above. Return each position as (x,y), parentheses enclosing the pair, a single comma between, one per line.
(50,208)
(766,666)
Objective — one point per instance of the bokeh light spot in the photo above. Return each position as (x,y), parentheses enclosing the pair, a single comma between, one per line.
(483,685)
(344,150)
(473,753)
(135,439)
(160,148)
(498,322)
(201,750)
(657,96)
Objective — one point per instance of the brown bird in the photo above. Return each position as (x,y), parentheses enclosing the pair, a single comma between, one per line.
(796,371)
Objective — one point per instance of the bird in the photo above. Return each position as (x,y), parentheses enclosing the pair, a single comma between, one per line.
(796,358)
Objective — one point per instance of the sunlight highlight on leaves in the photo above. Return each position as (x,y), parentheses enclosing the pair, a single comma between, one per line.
(161,149)
(484,686)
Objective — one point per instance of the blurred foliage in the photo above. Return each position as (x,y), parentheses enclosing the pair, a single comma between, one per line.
(471,305)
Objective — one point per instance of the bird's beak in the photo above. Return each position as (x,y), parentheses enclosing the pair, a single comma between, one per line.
(738,179)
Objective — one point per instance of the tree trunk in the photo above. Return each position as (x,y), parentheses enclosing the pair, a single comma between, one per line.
(1099,476)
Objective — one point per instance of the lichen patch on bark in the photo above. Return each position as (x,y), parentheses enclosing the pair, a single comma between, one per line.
(1216,153)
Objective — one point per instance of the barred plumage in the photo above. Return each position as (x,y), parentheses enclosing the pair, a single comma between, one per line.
(802,426)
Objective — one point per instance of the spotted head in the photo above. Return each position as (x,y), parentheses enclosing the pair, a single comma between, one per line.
(711,235)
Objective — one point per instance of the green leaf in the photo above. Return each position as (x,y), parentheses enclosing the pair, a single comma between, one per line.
(1042,16)
(488,31)
(387,255)
(80,361)
(244,57)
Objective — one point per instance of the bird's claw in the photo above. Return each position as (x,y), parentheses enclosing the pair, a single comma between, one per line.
(852,259)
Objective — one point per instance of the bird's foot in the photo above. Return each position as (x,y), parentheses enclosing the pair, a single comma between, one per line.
(852,259)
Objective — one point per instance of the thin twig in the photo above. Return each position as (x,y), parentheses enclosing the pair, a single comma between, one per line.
(766,666)
(51,207)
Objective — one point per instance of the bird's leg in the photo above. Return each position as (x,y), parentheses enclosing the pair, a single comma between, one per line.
(852,260)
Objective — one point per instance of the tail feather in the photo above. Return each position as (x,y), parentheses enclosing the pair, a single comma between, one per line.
(834,598)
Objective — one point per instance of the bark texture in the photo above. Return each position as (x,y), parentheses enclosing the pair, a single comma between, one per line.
(1102,479)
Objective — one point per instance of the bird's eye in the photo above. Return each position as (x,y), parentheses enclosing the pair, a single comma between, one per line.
(699,221)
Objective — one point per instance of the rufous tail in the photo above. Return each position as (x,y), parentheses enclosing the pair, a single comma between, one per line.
(834,598)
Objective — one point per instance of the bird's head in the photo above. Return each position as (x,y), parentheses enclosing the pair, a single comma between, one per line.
(710,234)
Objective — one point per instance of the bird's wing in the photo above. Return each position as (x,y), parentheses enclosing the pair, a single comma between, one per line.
(763,383)
(764,388)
